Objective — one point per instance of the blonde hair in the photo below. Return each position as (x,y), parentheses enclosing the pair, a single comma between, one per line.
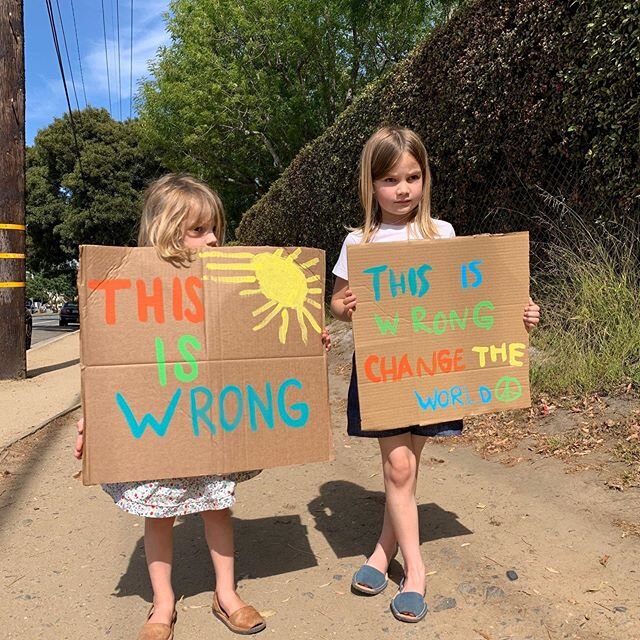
(169,204)
(380,154)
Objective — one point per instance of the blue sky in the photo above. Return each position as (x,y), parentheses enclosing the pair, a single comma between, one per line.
(44,89)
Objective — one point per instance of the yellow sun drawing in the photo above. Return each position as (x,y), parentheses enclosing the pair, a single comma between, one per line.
(281,280)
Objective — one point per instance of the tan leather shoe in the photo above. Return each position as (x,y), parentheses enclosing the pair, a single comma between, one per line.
(157,630)
(246,621)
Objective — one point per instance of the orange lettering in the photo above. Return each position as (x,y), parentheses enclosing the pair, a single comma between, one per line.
(368,368)
(154,300)
(193,285)
(109,287)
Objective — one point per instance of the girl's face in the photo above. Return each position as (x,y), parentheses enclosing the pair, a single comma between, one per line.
(400,190)
(198,235)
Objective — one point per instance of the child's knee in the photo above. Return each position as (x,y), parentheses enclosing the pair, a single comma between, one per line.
(400,470)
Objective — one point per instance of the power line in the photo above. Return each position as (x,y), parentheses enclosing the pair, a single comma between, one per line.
(56,44)
(119,71)
(66,49)
(131,65)
(114,40)
(106,57)
(75,28)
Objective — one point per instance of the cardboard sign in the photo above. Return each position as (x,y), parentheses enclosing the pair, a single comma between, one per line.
(207,369)
(438,328)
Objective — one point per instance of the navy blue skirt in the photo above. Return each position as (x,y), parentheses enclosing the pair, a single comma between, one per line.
(354,423)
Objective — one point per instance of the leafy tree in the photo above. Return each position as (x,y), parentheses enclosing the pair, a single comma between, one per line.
(244,85)
(91,199)
(44,288)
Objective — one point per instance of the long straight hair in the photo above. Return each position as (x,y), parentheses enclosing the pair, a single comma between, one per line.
(169,204)
(380,154)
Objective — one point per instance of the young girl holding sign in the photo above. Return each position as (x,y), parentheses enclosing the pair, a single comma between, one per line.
(395,192)
(181,215)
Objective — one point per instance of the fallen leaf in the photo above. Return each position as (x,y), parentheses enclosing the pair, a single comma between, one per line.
(604,560)
(551,570)
(268,613)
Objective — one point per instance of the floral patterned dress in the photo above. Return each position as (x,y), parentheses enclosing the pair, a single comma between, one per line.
(177,496)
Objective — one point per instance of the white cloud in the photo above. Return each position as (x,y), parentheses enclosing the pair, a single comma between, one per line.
(148,35)
(45,92)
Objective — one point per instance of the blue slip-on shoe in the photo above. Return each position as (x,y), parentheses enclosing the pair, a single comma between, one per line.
(369,580)
(408,606)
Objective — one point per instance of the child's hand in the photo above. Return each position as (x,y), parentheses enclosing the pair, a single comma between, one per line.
(349,302)
(531,315)
(79,446)
(326,340)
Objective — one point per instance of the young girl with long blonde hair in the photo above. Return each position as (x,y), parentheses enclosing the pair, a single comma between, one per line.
(395,193)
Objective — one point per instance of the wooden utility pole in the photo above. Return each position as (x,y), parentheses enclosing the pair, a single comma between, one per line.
(12,191)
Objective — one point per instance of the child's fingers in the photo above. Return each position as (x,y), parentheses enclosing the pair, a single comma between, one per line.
(79,446)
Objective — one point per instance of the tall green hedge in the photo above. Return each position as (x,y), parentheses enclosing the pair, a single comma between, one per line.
(513,99)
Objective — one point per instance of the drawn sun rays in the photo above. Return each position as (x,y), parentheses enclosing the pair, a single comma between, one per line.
(281,280)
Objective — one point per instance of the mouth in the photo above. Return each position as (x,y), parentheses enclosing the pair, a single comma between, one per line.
(403,202)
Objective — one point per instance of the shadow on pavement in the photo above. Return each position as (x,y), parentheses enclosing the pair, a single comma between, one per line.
(350,518)
(33,373)
(264,547)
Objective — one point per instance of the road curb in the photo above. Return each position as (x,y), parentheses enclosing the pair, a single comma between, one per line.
(41,425)
(44,343)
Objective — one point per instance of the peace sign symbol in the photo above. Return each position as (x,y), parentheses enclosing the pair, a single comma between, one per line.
(508,389)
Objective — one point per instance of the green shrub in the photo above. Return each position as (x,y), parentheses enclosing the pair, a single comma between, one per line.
(509,96)
(590,335)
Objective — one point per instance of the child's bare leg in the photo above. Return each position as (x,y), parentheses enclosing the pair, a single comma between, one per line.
(218,530)
(417,444)
(386,545)
(158,548)
(400,469)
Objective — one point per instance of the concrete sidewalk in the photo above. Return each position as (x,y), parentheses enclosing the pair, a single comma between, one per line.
(52,387)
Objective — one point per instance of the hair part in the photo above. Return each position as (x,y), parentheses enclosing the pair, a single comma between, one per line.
(380,154)
(172,202)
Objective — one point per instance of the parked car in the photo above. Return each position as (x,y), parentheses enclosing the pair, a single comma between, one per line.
(70,313)
(28,321)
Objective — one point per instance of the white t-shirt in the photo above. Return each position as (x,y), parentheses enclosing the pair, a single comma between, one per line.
(387,233)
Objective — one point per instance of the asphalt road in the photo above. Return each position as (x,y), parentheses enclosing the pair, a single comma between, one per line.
(47,326)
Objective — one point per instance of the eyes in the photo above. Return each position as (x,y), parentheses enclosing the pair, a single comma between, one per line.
(200,230)
(412,178)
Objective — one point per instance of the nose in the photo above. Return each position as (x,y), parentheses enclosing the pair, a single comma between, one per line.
(211,239)
(403,188)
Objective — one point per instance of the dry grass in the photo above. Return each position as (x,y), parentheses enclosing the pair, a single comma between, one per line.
(585,433)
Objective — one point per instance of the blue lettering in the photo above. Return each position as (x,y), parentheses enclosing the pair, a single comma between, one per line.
(485,394)
(375,272)
(456,392)
(253,400)
(395,283)
(137,429)
(427,402)
(201,413)
(422,269)
(301,407)
(224,423)
(471,267)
